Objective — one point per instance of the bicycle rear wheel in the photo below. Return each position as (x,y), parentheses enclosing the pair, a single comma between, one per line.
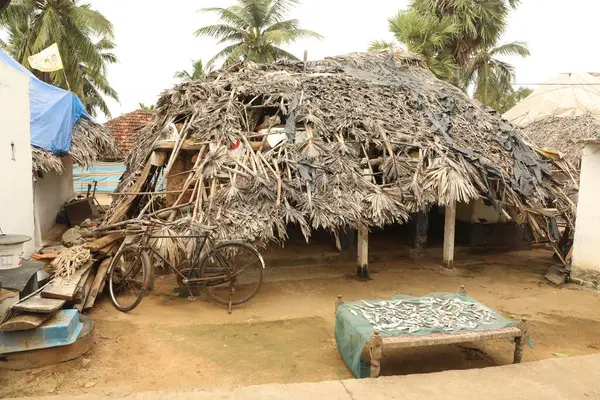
(127,279)
(241,264)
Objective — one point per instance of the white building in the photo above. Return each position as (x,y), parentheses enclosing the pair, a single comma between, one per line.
(585,267)
(16,191)
(35,183)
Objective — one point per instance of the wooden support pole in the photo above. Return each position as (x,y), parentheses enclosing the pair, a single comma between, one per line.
(421,228)
(363,253)
(449,228)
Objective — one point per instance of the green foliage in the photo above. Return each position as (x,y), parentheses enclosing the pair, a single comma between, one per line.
(459,41)
(509,101)
(491,77)
(83,36)
(429,36)
(255,30)
(199,70)
(150,107)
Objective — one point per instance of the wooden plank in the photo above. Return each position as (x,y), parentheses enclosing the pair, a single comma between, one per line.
(103,242)
(436,339)
(24,322)
(67,288)
(97,283)
(449,229)
(122,208)
(188,145)
(39,304)
(87,287)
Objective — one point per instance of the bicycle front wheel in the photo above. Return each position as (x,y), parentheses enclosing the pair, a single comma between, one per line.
(129,271)
(234,271)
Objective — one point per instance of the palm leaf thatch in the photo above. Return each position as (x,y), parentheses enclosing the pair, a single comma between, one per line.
(90,141)
(563,134)
(363,139)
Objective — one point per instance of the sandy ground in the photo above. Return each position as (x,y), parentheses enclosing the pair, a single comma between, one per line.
(285,334)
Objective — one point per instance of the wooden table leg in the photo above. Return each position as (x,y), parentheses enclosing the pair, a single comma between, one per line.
(375,353)
(339,301)
(518,350)
(520,341)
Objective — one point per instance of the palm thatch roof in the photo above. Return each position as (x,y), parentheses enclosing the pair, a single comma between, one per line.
(90,141)
(563,134)
(367,138)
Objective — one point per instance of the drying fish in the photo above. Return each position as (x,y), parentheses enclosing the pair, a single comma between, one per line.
(442,314)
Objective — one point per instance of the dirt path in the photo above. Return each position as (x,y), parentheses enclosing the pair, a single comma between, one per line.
(285,334)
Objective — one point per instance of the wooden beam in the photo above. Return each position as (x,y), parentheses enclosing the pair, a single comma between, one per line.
(97,283)
(62,288)
(363,252)
(103,242)
(449,229)
(420,223)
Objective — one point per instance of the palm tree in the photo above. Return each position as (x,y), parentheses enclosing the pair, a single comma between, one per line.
(198,71)
(478,23)
(143,106)
(459,41)
(380,45)
(428,36)
(255,30)
(96,87)
(492,78)
(33,25)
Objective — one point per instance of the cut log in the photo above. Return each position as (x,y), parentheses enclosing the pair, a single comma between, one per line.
(24,322)
(39,304)
(67,288)
(97,284)
(103,242)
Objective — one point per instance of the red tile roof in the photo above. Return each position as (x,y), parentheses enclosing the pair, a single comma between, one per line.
(125,127)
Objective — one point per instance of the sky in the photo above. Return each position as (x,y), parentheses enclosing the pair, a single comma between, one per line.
(155,38)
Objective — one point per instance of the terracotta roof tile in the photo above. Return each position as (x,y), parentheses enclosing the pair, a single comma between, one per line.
(125,127)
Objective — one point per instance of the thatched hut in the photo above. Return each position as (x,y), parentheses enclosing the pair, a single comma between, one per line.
(343,143)
(560,114)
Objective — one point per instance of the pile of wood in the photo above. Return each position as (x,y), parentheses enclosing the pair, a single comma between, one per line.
(77,289)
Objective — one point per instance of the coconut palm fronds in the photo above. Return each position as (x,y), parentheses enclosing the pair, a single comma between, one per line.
(355,140)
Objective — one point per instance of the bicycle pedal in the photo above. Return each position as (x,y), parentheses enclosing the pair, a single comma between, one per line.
(191,298)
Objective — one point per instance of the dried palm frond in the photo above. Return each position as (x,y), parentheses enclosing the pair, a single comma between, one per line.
(45,161)
(169,248)
(368,139)
(69,261)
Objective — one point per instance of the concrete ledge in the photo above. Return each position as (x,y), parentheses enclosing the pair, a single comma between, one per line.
(560,378)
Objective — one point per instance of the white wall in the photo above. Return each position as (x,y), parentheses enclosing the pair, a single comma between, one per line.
(51,192)
(586,247)
(16,195)
(476,212)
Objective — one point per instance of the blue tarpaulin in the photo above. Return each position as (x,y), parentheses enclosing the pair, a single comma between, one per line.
(54,112)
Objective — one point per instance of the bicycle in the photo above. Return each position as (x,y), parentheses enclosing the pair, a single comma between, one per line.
(218,273)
